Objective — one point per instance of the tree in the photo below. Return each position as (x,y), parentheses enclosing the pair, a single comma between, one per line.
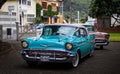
(36,20)
(99,8)
(38,9)
(38,12)
(116,10)
(116,6)
(49,11)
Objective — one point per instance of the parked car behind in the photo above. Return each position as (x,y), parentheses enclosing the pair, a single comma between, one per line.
(58,43)
(101,38)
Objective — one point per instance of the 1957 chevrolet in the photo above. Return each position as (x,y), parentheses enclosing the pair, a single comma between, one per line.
(101,38)
(58,43)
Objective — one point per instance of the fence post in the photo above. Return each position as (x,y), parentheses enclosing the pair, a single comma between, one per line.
(1,33)
(17,30)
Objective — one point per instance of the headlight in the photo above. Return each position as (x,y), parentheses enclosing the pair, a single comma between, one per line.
(24,44)
(68,46)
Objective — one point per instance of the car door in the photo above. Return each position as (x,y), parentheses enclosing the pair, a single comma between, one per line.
(84,42)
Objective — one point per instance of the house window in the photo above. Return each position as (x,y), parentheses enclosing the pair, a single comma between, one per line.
(25,2)
(29,2)
(54,8)
(19,1)
(44,5)
(30,17)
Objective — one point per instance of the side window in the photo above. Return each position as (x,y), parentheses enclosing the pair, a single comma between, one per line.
(47,31)
(83,32)
(77,33)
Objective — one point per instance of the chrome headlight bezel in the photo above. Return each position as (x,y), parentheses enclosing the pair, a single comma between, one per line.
(24,44)
(68,46)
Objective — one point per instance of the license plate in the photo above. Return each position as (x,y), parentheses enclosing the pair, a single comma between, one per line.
(44,58)
(99,40)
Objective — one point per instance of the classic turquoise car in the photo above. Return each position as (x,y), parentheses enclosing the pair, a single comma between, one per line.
(58,43)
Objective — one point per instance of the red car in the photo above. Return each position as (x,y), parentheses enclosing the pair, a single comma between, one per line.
(101,38)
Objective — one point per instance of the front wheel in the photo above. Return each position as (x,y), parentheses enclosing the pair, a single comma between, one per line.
(75,61)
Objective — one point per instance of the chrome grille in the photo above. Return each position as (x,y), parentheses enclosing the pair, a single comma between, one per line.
(50,53)
(100,40)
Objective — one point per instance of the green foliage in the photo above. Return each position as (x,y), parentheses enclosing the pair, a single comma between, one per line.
(83,18)
(38,9)
(49,11)
(38,16)
(38,12)
(36,20)
(45,12)
(77,5)
(114,36)
(116,6)
(49,8)
(82,1)
(104,8)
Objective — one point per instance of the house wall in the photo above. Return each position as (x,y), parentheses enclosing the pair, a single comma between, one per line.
(32,9)
(104,24)
(29,12)
(50,2)
(7,19)
(9,3)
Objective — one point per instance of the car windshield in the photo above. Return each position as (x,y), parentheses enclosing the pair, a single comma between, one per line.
(89,27)
(58,30)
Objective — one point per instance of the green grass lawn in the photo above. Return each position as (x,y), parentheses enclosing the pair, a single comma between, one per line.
(114,36)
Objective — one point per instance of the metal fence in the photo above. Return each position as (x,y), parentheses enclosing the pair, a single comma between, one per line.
(26,31)
(18,32)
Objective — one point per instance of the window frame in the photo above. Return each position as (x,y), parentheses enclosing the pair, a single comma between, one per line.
(25,2)
(84,34)
(44,5)
(29,2)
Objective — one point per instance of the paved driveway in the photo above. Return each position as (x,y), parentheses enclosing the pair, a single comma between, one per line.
(104,61)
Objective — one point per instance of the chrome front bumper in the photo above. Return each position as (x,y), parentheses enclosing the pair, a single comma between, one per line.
(101,42)
(47,55)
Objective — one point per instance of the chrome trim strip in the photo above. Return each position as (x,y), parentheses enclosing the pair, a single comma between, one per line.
(55,55)
(98,44)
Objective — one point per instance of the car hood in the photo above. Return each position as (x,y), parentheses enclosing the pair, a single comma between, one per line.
(48,42)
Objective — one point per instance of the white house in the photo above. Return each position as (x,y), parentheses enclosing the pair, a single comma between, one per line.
(22,11)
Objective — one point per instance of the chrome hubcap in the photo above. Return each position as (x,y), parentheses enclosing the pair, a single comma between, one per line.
(75,61)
